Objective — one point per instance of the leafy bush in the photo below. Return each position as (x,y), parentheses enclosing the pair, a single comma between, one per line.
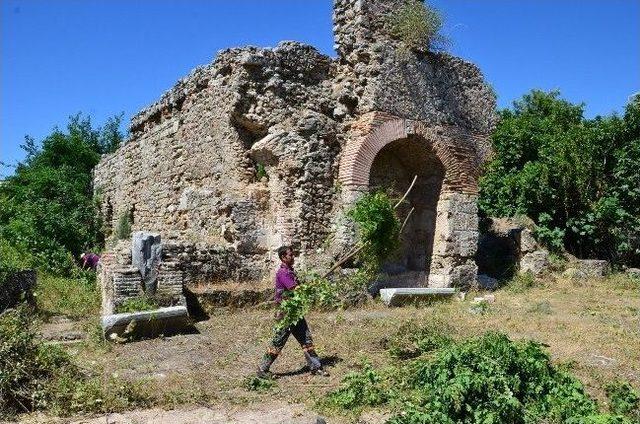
(378,226)
(36,376)
(576,178)
(623,399)
(47,206)
(418,26)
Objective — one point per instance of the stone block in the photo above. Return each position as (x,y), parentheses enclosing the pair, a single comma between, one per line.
(134,325)
(527,242)
(486,282)
(593,267)
(535,262)
(398,296)
(633,273)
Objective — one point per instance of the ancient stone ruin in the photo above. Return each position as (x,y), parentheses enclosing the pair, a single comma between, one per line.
(271,146)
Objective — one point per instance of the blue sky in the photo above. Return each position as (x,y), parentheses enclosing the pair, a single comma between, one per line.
(103,57)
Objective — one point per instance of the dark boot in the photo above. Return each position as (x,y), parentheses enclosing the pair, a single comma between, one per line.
(313,361)
(267,360)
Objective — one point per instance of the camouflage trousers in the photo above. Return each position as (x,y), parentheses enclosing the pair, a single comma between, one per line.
(303,335)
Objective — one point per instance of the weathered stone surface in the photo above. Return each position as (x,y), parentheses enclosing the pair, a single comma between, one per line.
(633,272)
(528,244)
(265,147)
(17,287)
(146,255)
(146,324)
(397,296)
(593,267)
(574,274)
(536,262)
(486,282)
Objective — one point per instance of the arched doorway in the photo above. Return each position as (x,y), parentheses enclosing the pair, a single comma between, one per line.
(392,170)
(385,150)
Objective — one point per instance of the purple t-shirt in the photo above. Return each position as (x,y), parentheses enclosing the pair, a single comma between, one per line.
(90,260)
(285,280)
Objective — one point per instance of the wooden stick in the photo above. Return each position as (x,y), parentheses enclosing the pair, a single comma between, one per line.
(356,249)
(405,221)
(407,192)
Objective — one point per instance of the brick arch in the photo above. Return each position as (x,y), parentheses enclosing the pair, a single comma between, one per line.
(376,130)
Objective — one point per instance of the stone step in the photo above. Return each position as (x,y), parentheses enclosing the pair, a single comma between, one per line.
(397,296)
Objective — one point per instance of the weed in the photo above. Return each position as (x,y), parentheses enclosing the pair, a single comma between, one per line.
(36,376)
(261,172)
(75,297)
(123,226)
(137,304)
(543,307)
(257,384)
(522,282)
(418,26)
(488,379)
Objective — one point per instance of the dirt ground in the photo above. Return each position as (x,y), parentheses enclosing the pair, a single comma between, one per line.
(593,325)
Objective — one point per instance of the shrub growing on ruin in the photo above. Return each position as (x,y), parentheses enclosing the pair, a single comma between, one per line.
(418,26)
(123,226)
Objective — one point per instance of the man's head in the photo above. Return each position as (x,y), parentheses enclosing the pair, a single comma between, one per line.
(285,253)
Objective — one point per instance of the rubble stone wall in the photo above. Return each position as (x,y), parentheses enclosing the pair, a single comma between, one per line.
(265,147)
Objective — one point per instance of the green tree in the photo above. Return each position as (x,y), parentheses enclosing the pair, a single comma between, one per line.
(47,206)
(575,177)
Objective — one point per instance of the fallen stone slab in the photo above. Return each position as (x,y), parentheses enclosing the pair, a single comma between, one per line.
(398,296)
(593,267)
(134,325)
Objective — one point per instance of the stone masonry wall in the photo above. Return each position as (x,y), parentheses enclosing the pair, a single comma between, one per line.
(265,147)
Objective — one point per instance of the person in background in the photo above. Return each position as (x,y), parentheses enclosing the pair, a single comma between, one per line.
(286,280)
(89,260)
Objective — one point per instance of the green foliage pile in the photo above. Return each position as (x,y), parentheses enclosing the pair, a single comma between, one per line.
(36,376)
(47,207)
(576,178)
(257,384)
(364,388)
(487,379)
(418,26)
(378,227)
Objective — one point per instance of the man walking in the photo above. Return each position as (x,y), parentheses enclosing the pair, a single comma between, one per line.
(286,280)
